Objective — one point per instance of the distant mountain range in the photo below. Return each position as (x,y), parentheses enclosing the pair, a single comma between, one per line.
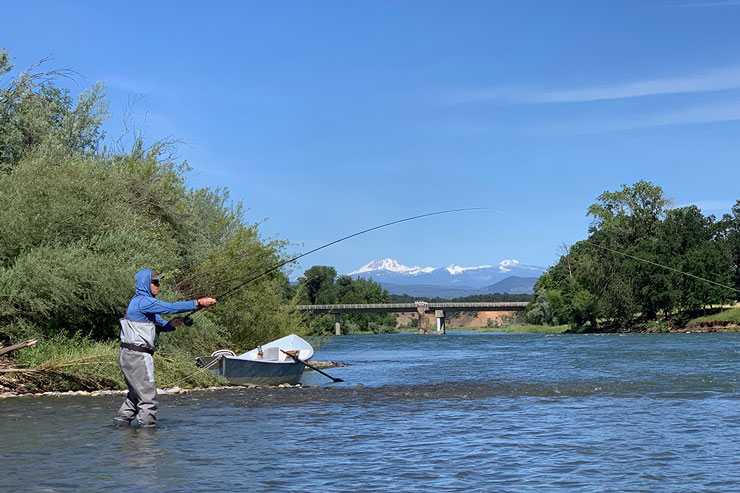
(509,276)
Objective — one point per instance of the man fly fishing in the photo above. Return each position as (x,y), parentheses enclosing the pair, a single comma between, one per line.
(142,323)
(140,327)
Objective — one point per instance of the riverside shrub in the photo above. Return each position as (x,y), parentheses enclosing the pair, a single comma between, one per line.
(77,222)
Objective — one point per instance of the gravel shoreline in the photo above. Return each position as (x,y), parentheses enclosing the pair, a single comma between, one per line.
(165,391)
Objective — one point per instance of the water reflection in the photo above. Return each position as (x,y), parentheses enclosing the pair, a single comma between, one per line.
(138,449)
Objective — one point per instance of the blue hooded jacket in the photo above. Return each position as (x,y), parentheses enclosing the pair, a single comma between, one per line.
(144,307)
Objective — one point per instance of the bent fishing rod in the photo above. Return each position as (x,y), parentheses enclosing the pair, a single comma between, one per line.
(188,321)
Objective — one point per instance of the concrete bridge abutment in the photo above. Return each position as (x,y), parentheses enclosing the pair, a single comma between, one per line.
(422,309)
(440,314)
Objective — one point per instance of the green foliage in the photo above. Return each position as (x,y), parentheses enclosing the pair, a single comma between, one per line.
(546,307)
(657,326)
(730,224)
(72,363)
(320,285)
(81,363)
(519,328)
(317,285)
(641,260)
(254,309)
(76,224)
(40,119)
(729,314)
(630,213)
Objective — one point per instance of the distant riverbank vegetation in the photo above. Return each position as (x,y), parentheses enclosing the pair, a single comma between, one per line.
(644,265)
(521,328)
(80,214)
(320,285)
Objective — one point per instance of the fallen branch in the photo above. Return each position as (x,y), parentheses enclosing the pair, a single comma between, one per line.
(15,347)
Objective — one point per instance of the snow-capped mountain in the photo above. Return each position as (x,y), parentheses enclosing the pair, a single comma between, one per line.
(391,271)
(390,265)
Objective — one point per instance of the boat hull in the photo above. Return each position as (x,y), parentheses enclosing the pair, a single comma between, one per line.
(246,372)
(274,369)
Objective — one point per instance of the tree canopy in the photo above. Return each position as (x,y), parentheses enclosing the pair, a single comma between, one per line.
(77,222)
(641,260)
(320,285)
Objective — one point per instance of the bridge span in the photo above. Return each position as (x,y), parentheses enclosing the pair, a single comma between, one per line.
(420,307)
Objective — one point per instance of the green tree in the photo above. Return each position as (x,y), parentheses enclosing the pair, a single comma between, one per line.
(625,228)
(731,232)
(697,246)
(547,306)
(630,213)
(365,291)
(38,118)
(76,223)
(318,285)
(641,259)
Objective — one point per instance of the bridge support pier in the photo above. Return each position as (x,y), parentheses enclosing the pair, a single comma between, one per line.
(421,309)
(440,314)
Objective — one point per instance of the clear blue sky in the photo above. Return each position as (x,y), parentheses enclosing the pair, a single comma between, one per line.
(329,117)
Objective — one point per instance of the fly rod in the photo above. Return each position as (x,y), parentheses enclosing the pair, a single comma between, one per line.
(189,321)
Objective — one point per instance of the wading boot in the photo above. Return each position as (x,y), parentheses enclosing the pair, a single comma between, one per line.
(120,423)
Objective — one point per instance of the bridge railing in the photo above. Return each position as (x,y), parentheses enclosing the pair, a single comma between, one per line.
(414,307)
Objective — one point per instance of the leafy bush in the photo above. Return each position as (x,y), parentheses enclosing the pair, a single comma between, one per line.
(77,222)
(657,326)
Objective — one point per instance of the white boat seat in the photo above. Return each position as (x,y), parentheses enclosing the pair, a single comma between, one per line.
(270,354)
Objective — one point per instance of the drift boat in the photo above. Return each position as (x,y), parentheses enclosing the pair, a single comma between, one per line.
(263,365)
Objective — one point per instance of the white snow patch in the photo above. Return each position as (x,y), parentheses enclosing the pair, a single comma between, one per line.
(456,269)
(390,265)
(508,264)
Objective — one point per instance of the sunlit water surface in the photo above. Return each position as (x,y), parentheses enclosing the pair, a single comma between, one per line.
(474,412)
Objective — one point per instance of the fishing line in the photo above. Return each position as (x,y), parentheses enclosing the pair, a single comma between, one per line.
(673,269)
(201,370)
(188,320)
(244,256)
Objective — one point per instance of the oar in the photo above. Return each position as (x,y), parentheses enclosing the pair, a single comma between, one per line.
(298,360)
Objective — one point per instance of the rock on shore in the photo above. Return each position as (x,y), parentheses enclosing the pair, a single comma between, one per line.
(165,391)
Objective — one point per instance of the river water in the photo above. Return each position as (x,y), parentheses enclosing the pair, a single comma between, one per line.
(473,412)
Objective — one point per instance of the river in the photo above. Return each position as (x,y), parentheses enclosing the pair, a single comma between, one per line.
(472,412)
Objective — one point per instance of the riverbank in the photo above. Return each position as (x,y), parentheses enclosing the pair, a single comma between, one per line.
(12,386)
(518,329)
(165,391)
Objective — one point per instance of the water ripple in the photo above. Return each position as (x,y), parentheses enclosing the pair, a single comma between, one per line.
(452,413)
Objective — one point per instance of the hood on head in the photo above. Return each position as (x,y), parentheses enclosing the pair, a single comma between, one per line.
(144,282)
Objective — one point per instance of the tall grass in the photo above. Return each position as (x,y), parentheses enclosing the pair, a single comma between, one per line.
(81,363)
(731,314)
